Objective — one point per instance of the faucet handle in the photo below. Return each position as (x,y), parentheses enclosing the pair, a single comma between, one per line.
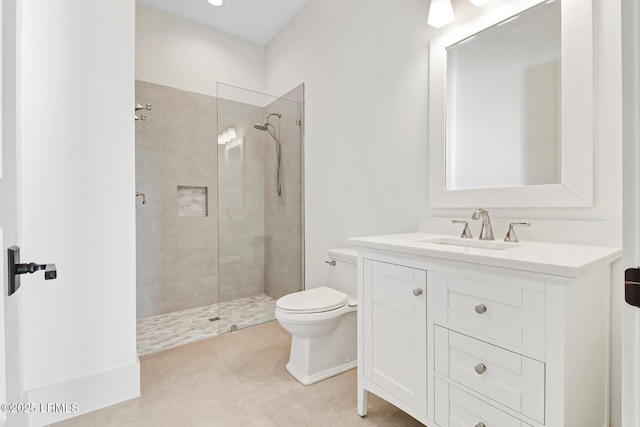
(466,233)
(511,234)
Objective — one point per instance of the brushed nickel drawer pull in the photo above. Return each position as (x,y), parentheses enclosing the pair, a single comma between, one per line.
(481,424)
(417,292)
(480,368)
(481,308)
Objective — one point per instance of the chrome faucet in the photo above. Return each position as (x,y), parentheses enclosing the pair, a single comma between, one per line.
(486,233)
(511,234)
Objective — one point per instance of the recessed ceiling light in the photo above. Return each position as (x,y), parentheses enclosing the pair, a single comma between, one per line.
(216,2)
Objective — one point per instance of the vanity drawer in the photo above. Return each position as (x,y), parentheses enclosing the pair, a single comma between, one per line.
(455,408)
(509,378)
(504,309)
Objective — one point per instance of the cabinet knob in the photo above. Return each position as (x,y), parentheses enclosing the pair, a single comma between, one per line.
(481,424)
(481,308)
(417,292)
(480,368)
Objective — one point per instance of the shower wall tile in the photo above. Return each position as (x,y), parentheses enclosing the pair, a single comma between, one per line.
(284,272)
(202,260)
(196,233)
(175,146)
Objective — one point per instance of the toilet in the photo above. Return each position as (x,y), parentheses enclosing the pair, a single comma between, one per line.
(322,322)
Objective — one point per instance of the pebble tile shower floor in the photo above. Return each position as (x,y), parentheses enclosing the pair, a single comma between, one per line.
(157,333)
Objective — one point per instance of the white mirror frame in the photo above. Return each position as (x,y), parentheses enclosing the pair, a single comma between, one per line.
(576,152)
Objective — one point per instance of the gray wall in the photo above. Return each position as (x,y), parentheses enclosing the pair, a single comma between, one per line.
(175,146)
(283,214)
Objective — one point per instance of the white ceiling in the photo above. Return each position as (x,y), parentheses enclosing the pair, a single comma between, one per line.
(254,20)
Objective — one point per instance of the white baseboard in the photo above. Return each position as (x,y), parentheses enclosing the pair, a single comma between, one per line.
(79,396)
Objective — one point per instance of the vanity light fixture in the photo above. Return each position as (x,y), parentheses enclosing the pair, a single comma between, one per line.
(441,11)
(216,2)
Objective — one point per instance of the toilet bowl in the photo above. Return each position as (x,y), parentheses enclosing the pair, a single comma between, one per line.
(322,322)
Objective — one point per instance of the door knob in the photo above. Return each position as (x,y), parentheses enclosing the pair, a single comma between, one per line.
(15,269)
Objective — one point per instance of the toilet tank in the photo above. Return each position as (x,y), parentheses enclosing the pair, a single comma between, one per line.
(344,273)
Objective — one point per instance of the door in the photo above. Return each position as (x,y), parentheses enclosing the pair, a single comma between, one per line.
(395,331)
(67,197)
(8,188)
(631,207)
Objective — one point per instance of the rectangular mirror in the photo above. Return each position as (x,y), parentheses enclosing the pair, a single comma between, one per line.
(511,106)
(513,66)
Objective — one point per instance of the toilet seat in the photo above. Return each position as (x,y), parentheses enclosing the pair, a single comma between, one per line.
(315,300)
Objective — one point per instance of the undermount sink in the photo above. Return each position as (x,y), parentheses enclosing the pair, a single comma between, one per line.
(469,243)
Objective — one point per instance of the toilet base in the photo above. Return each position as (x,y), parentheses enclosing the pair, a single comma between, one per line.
(319,376)
(316,357)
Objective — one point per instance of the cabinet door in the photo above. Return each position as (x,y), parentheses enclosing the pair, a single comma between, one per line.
(395,331)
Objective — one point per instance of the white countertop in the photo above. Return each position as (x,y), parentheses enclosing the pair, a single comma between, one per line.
(547,258)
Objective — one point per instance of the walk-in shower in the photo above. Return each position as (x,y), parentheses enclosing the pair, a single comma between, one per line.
(219,240)
(268,127)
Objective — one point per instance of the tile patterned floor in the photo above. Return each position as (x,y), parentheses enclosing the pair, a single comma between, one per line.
(157,333)
(239,380)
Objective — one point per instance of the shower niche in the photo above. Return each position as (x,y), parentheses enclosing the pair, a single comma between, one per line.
(192,201)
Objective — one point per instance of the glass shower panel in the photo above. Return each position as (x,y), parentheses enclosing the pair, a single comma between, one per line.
(260,203)
(176,218)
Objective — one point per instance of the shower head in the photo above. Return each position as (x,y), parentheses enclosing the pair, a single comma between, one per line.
(265,126)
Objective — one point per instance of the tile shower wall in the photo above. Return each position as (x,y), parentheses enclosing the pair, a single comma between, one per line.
(284,214)
(175,146)
(241,202)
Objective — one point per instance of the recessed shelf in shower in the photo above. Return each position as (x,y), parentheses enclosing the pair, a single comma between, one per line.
(192,201)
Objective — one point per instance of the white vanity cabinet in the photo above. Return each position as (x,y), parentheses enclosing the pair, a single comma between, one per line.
(458,336)
(395,310)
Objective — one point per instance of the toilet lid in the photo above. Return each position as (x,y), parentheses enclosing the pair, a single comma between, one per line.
(312,300)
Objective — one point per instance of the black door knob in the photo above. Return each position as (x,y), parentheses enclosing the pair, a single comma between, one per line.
(16,269)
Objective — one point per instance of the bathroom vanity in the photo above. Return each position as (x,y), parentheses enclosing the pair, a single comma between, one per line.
(461,332)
